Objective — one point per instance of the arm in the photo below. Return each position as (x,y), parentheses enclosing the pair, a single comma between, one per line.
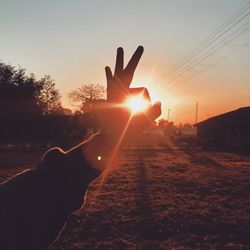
(35,204)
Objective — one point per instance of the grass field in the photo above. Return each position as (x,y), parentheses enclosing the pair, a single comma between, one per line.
(159,199)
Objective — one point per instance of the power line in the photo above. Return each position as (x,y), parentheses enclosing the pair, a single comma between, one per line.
(211,36)
(217,62)
(200,52)
(211,65)
(237,18)
(237,33)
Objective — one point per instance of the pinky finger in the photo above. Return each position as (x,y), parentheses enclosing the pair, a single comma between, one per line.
(108,73)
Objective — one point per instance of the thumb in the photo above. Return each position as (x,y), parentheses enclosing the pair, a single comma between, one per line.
(154,111)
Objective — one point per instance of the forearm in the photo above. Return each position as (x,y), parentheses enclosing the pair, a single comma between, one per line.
(36,203)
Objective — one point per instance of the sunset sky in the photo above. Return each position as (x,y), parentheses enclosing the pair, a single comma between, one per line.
(74,40)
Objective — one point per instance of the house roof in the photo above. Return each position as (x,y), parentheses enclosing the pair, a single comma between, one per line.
(236,118)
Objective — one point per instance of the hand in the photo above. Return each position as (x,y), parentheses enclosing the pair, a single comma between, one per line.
(118,84)
(119,123)
(119,119)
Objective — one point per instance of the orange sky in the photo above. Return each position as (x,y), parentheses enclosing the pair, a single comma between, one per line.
(74,41)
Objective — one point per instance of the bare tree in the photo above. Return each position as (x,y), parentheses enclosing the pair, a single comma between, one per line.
(87,95)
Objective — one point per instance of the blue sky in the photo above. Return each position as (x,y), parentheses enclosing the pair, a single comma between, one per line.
(74,40)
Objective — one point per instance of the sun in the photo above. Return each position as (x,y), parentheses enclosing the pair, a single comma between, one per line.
(137,104)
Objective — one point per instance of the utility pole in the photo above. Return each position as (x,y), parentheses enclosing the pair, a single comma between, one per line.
(196,112)
(168,114)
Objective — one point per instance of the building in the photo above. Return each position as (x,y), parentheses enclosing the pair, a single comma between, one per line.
(227,131)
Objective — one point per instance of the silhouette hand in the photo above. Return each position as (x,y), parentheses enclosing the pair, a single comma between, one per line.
(120,124)
(119,119)
(118,84)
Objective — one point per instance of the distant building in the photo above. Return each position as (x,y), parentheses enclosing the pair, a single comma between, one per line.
(227,131)
(154,131)
(187,131)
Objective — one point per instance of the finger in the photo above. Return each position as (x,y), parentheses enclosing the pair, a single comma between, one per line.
(132,64)
(154,111)
(145,119)
(119,61)
(108,73)
(146,94)
(140,91)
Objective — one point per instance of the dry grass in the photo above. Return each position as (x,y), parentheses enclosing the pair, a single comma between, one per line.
(161,199)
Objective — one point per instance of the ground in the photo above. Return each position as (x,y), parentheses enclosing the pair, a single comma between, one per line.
(158,199)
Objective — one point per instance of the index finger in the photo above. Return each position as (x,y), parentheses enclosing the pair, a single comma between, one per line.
(132,64)
(140,91)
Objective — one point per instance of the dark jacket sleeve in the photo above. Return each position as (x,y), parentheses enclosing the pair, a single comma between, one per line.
(35,204)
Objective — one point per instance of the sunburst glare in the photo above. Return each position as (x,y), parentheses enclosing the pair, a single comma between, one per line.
(137,104)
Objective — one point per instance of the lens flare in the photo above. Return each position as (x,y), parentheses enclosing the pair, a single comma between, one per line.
(137,104)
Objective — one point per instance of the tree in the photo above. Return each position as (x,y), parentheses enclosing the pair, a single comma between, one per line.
(49,97)
(23,94)
(87,95)
(88,98)
(163,123)
(18,92)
